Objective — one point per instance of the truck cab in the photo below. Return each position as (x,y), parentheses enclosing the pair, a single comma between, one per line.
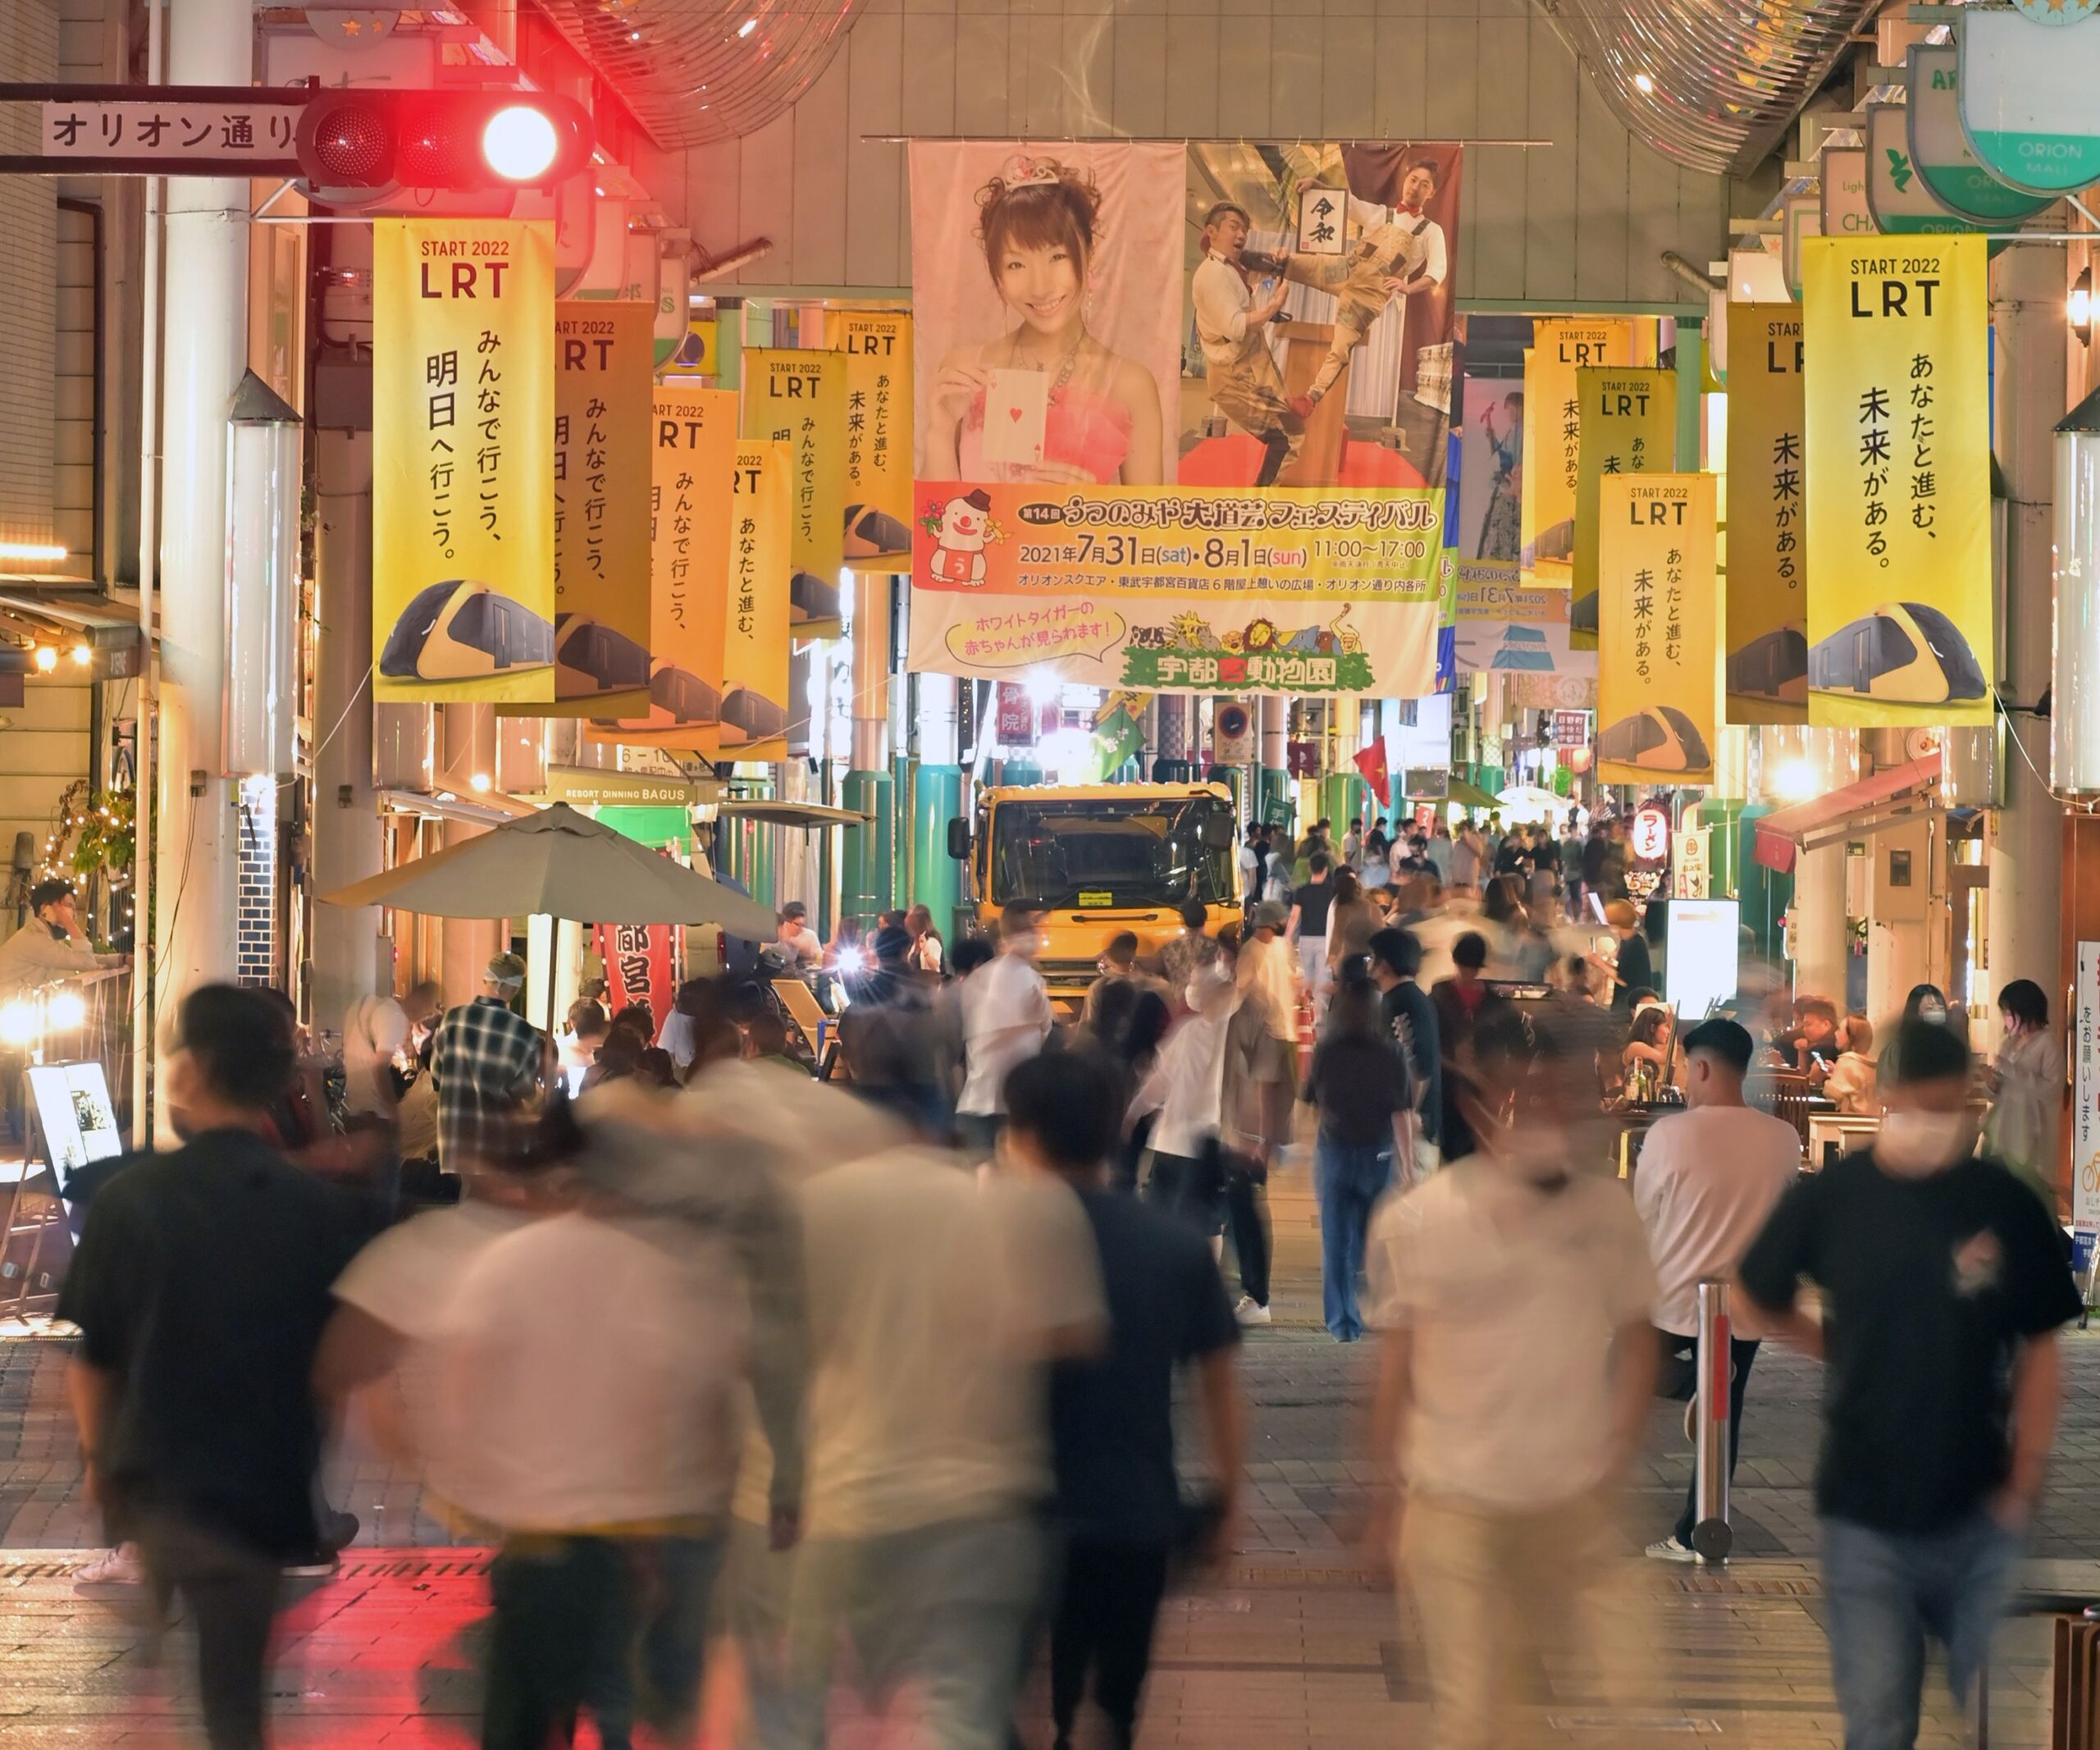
(1102,859)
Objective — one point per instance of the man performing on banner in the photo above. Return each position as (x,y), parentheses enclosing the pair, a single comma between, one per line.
(1399,249)
(1237,366)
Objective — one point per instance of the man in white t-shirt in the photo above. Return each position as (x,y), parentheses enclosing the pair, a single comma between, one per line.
(1706,1182)
(797,937)
(936,1304)
(1503,1286)
(1006,1018)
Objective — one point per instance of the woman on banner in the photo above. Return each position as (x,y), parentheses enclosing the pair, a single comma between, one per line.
(1097,421)
(1501,529)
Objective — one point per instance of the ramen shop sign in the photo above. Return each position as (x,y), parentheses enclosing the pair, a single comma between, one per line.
(1651,836)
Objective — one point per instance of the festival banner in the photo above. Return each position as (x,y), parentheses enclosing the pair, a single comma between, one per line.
(1292,590)
(1560,347)
(1897,441)
(876,347)
(1767,636)
(1299,553)
(462,506)
(693,456)
(1629,427)
(796,396)
(754,645)
(1656,590)
(604,354)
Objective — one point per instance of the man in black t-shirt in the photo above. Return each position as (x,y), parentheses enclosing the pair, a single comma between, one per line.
(201,1286)
(1943,1283)
(1310,905)
(1111,1415)
(1409,1020)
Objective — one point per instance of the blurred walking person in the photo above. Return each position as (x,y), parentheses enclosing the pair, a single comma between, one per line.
(1709,1180)
(1943,1283)
(1119,1503)
(1006,1018)
(1408,1021)
(1505,1409)
(1361,1085)
(936,1302)
(200,1289)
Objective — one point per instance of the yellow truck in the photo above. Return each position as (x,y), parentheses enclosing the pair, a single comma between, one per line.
(1102,858)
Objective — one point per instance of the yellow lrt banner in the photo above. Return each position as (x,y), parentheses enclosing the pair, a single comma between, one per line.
(756,638)
(1898,441)
(1629,427)
(796,396)
(463,417)
(1656,717)
(877,347)
(692,456)
(603,373)
(1767,637)
(1553,430)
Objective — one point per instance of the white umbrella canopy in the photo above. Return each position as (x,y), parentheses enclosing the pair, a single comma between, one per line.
(562,864)
(1526,802)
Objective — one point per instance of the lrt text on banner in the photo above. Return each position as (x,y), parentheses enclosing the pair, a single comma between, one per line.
(1655,680)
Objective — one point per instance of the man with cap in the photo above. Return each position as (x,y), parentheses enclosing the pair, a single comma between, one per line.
(488,1064)
(1709,1180)
(1268,966)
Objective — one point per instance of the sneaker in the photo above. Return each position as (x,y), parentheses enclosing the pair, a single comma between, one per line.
(1670,1550)
(337,1531)
(1250,1311)
(113,1570)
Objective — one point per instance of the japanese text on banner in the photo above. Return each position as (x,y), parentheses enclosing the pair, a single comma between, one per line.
(1629,427)
(1552,426)
(1767,639)
(877,347)
(797,397)
(462,435)
(1656,590)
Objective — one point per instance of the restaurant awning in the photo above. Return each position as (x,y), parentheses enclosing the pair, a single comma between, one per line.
(790,814)
(1783,834)
(1464,793)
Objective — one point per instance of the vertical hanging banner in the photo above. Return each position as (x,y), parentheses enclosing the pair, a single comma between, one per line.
(1629,427)
(1655,718)
(692,457)
(757,635)
(641,960)
(1767,637)
(604,375)
(1553,433)
(876,347)
(1898,441)
(462,395)
(796,396)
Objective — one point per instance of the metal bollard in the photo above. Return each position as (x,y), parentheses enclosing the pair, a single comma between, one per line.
(1710,1534)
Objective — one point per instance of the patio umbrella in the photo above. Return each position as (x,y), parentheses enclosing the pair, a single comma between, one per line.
(562,864)
(1527,802)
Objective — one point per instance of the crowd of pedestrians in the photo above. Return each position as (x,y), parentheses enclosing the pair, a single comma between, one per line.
(716,1349)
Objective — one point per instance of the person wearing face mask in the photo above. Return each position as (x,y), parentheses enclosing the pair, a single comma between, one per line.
(1510,1293)
(1942,1284)
(1707,1180)
(2027,1090)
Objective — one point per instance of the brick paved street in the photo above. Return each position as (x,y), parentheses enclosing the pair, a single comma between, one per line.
(1298,1643)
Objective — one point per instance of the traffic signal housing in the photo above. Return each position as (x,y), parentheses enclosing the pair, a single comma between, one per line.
(463,140)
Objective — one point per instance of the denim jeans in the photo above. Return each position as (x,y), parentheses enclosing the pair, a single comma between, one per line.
(1348,1179)
(1886,1592)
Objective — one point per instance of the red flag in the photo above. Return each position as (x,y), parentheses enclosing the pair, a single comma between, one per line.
(1371,761)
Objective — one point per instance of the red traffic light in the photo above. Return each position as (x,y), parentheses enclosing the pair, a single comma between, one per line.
(460,140)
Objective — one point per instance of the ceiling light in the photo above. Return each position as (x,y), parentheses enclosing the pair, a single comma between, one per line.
(480,780)
(1644,84)
(2078,307)
(47,659)
(42,552)
(82,654)
(746,27)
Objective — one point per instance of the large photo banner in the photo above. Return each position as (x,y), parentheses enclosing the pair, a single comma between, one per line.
(462,501)
(1490,498)
(1897,441)
(1269,521)
(1656,651)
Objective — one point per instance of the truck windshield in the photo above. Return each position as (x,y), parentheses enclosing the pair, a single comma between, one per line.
(1098,852)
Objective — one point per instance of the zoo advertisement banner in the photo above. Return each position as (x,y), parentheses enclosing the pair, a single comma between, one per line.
(1656,717)
(1767,635)
(1182,414)
(463,499)
(1896,438)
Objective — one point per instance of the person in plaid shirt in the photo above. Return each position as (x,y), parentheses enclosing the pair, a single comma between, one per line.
(488,1065)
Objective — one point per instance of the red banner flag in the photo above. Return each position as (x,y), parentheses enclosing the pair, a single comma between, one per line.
(641,966)
(1371,761)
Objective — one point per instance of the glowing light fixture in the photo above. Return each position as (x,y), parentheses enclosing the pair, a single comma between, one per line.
(520,142)
(1796,781)
(17,1022)
(66,1013)
(1643,84)
(40,552)
(746,27)
(47,659)
(479,781)
(82,654)
(2078,307)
